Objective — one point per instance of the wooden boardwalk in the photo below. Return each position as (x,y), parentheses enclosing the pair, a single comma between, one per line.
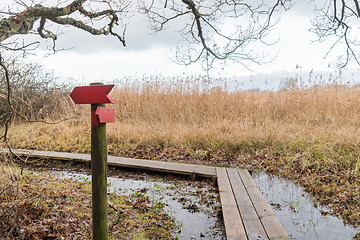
(156,166)
(246,214)
(245,211)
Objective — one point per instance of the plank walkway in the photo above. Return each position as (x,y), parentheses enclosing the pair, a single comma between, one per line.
(245,211)
(246,214)
(156,166)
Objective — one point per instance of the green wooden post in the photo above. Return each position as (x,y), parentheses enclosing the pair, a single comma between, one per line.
(99,175)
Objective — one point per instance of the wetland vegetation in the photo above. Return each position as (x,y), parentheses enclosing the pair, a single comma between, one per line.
(309,135)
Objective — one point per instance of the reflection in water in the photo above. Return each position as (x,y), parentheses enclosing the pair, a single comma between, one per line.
(195,219)
(294,209)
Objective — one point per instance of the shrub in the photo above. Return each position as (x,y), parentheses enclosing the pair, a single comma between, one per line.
(35,92)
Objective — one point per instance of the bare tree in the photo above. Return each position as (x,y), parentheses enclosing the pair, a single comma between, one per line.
(216,30)
(212,30)
(27,17)
(221,29)
(339,20)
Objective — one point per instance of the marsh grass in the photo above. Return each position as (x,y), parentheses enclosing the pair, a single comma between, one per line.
(317,114)
(310,135)
(322,122)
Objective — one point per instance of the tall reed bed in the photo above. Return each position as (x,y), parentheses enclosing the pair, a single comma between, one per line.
(326,114)
(189,112)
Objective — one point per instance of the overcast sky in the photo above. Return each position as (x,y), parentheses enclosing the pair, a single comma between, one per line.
(97,58)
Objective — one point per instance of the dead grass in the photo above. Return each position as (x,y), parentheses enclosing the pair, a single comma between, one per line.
(311,136)
(320,114)
(317,119)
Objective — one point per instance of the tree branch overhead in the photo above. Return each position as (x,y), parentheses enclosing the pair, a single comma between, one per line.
(23,22)
(221,30)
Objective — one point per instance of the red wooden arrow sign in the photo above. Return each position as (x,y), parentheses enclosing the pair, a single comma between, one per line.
(106,115)
(93,94)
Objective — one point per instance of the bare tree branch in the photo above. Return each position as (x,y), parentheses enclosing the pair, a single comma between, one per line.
(23,22)
(8,98)
(337,21)
(206,37)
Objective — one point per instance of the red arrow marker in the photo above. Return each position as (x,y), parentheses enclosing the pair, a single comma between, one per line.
(92,94)
(106,115)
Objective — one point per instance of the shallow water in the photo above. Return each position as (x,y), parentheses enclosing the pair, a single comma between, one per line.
(291,204)
(296,212)
(196,220)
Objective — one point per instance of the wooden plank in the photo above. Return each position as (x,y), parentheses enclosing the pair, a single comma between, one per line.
(272,226)
(178,168)
(158,166)
(253,226)
(47,154)
(234,227)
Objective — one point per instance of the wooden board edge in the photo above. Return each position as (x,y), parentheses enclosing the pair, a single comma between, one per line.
(251,221)
(234,227)
(273,228)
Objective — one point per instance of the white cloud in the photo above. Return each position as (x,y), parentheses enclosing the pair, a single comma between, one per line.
(105,66)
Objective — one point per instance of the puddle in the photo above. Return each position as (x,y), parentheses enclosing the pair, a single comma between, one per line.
(295,211)
(193,215)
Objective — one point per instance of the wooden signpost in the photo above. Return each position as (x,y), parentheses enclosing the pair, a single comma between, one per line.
(96,95)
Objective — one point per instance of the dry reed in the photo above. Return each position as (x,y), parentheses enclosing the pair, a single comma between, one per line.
(327,114)
(173,113)
(153,114)
(178,115)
